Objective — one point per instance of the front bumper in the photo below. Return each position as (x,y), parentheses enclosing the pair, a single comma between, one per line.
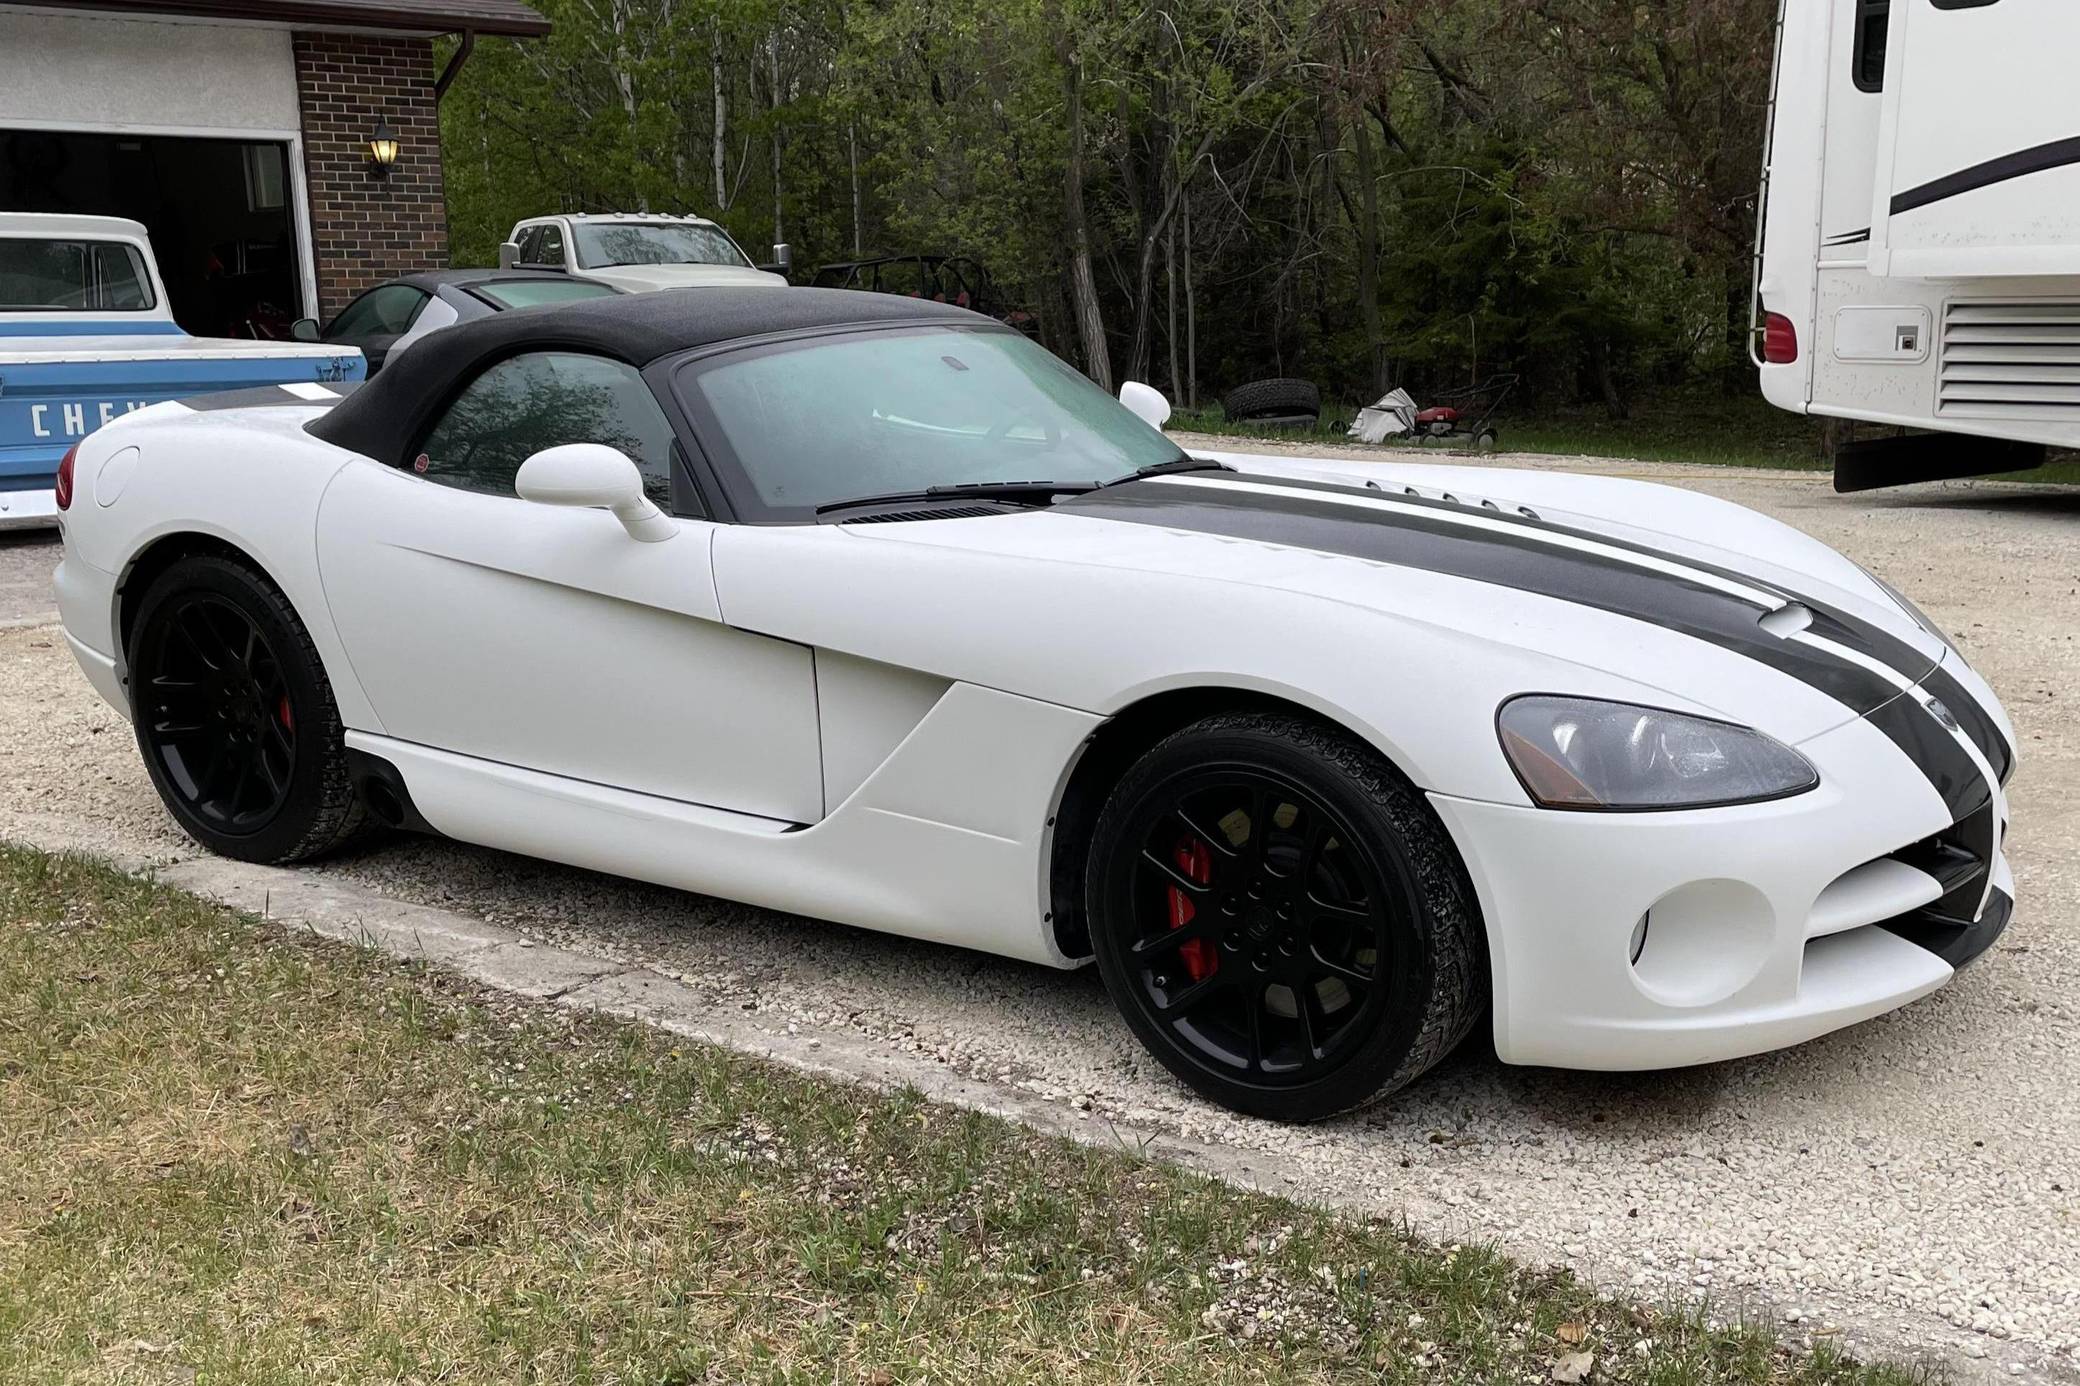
(1755,927)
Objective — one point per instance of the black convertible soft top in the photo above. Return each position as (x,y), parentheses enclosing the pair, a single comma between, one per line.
(385,417)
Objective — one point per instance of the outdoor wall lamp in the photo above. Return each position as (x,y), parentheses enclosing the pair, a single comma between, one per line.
(382,147)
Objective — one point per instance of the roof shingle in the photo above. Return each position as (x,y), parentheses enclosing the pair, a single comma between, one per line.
(406,16)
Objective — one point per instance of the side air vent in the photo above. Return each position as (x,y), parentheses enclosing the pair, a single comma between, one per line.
(2010,360)
(937,512)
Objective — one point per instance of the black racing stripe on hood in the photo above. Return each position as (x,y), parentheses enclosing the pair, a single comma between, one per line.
(1929,744)
(1521,561)
(1975,722)
(1849,631)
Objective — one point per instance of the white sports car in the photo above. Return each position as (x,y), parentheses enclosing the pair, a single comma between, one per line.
(870,609)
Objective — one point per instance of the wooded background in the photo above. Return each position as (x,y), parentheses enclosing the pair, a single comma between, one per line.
(1400,192)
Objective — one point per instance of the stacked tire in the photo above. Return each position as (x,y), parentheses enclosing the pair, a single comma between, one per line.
(1279,402)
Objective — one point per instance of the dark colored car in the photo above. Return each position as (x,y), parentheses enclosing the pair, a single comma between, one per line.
(391,316)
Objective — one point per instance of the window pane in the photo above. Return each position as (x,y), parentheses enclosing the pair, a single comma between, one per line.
(653,243)
(1872,20)
(551,251)
(526,404)
(40,275)
(385,311)
(527,293)
(837,418)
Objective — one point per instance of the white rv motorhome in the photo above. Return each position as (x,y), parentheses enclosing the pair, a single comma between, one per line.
(1918,253)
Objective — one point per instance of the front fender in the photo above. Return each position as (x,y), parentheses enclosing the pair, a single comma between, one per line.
(1414,662)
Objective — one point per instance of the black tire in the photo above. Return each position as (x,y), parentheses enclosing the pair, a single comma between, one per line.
(258,711)
(1272,398)
(1366,836)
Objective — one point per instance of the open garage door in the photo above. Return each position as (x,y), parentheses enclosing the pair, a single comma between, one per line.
(221,213)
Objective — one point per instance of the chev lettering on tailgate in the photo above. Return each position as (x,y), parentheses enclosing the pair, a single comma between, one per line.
(76,419)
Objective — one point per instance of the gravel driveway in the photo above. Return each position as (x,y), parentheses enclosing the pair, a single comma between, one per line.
(1916,1177)
(26,559)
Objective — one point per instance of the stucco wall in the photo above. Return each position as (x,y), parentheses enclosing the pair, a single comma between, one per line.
(58,69)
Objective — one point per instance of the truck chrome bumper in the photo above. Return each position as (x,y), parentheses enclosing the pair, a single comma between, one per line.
(28,509)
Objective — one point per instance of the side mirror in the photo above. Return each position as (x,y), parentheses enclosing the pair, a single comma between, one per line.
(508,254)
(304,330)
(1147,402)
(593,474)
(783,260)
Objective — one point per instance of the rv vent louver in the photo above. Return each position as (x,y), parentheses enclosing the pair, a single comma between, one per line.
(2010,360)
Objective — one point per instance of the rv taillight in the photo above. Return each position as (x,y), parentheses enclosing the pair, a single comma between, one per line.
(63,487)
(1779,340)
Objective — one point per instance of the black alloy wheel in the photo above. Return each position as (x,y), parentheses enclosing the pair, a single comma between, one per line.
(234,716)
(1281,919)
(216,713)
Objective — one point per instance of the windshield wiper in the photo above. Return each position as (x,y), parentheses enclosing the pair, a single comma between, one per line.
(1174,465)
(1029,492)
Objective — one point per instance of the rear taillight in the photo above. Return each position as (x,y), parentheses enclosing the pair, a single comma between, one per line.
(63,488)
(1779,340)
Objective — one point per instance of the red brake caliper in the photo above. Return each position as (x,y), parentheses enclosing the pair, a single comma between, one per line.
(1196,862)
(282,712)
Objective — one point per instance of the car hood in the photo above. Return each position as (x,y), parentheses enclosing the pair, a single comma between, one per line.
(642,279)
(1686,526)
(1728,610)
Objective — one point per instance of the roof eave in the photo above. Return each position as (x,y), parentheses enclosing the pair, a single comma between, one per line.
(317,13)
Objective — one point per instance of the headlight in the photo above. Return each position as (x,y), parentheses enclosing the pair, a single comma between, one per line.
(1579,753)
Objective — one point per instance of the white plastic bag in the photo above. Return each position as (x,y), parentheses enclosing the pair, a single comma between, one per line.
(1391,415)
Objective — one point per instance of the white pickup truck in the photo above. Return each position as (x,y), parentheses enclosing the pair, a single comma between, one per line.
(638,252)
(86,335)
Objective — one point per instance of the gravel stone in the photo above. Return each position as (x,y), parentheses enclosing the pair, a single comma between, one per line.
(1916,1178)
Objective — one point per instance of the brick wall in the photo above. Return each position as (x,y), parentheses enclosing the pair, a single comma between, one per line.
(367,229)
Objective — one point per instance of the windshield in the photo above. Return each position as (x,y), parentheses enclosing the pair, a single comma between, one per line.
(528,293)
(806,423)
(601,244)
(40,275)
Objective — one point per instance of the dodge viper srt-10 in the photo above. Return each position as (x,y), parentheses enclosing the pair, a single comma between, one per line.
(872,610)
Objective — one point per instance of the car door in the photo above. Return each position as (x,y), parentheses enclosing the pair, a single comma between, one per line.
(1978,164)
(374,321)
(546,637)
(546,251)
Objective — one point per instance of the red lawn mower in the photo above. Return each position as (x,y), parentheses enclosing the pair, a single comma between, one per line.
(1465,416)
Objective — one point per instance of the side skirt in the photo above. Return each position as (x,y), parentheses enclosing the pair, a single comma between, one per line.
(932,846)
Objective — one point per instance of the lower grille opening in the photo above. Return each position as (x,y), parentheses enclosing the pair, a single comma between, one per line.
(1968,917)
(1933,893)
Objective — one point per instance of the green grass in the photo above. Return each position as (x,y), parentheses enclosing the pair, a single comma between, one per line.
(235,1154)
(1697,426)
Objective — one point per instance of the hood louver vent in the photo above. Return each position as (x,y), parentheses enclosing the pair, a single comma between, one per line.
(2010,360)
(937,512)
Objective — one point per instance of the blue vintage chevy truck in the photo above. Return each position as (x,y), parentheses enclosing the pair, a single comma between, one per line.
(86,335)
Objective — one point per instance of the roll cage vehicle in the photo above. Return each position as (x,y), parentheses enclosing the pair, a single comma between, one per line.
(869,609)
(954,279)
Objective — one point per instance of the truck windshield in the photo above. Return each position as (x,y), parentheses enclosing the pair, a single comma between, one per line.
(41,275)
(808,423)
(601,244)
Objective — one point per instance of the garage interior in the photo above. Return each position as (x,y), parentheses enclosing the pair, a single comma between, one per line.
(218,210)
